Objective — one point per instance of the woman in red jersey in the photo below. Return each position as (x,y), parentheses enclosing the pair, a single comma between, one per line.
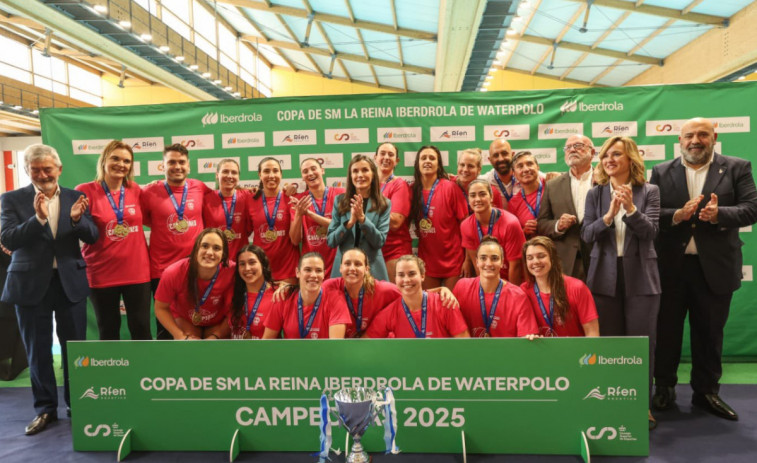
(226,209)
(253,291)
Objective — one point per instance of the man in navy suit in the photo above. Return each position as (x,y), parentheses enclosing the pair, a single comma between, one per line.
(42,225)
(705,198)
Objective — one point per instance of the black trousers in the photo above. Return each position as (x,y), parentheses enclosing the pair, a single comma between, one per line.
(161,333)
(708,313)
(106,302)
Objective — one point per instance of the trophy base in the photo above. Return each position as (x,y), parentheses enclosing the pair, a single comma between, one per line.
(358,455)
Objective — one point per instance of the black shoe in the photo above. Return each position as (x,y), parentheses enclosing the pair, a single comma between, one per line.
(40,422)
(652,421)
(715,405)
(664,397)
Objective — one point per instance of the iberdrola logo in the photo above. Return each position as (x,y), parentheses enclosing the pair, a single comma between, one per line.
(588,359)
(569,106)
(209,119)
(81,362)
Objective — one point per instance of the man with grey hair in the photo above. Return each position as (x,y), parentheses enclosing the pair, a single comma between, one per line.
(705,198)
(41,225)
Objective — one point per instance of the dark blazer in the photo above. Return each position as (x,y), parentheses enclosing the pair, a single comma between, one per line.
(718,245)
(34,248)
(558,200)
(639,255)
(372,237)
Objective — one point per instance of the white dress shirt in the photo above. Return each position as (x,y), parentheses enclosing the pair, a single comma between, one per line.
(695,179)
(53,214)
(620,226)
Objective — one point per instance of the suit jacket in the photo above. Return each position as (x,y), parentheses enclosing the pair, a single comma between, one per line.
(558,200)
(718,245)
(372,237)
(639,255)
(34,248)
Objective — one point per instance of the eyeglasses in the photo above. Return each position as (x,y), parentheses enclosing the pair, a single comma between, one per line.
(575,146)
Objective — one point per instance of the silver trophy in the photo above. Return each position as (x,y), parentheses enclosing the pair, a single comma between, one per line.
(356,408)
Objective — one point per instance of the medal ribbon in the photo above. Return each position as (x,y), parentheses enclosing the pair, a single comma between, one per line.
(359,315)
(549,318)
(251,314)
(322,210)
(534,212)
(465,198)
(207,290)
(304,330)
(488,318)
(325,430)
(493,218)
(427,206)
(271,220)
(179,209)
(118,210)
(229,214)
(422,332)
(383,187)
(502,186)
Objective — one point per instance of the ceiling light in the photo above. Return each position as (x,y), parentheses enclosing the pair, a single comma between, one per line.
(217,81)
(742,78)
(101,9)
(194,67)
(125,24)
(236,94)
(487,83)
(179,58)
(497,62)
(164,48)
(17,108)
(206,74)
(489,77)
(511,32)
(146,37)
(36,111)
(228,89)
(483,89)
(517,18)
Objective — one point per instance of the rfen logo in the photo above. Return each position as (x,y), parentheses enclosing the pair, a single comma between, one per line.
(289,137)
(145,145)
(461,133)
(611,129)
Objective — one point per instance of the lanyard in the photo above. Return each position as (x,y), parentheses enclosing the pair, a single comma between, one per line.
(422,332)
(534,212)
(488,318)
(427,206)
(391,177)
(493,218)
(322,210)
(304,330)
(465,198)
(179,209)
(502,186)
(207,290)
(251,314)
(549,318)
(119,210)
(359,314)
(226,212)
(271,220)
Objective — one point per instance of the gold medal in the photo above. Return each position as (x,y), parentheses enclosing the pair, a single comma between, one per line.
(246,335)
(181,225)
(425,224)
(270,235)
(229,234)
(196,318)
(321,230)
(121,230)
(486,335)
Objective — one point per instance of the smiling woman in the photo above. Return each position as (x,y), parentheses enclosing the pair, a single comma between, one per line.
(226,208)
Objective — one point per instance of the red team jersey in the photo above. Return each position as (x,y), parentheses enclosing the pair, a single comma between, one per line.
(506,229)
(169,243)
(440,246)
(398,242)
(513,316)
(173,290)
(114,259)
(384,293)
(441,322)
(497,200)
(582,308)
(257,326)
(282,254)
(213,215)
(314,236)
(519,208)
(332,311)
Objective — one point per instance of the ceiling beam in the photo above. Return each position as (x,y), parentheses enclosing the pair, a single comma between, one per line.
(608,70)
(358,82)
(558,39)
(590,49)
(343,56)
(459,24)
(649,38)
(334,19)
(670,13)
(550,76)
(264,38)
(531,15)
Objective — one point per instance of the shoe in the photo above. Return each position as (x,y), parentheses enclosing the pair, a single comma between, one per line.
(40,422)
(68,412)
(715,405)
(652,421)
(664,397)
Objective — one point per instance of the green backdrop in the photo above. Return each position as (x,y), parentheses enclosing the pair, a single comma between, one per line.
(334,128)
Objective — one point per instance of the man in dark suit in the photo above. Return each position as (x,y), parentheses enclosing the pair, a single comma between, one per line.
(42,225)
(705,198)
(563,205)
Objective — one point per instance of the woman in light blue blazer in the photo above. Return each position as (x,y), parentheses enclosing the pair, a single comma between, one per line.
(621,221)
(361,217)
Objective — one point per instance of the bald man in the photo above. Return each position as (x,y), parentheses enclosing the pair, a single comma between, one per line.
(705,198)
(501,176)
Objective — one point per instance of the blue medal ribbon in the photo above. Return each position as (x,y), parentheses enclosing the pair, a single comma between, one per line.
(304,330)
(465,198)
(359,314)
(118,210)
(179,208)
(207,290)
(502,186)
(251,314)
(320,210)
(422,332)
(549,318)
(493,218)
(488,317)
(383,187)
(271,220)
(226,212)
(534,212)
(427,205)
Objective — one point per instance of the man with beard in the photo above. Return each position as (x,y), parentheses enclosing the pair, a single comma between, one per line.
(705,197)
(501,176)
(562,209)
